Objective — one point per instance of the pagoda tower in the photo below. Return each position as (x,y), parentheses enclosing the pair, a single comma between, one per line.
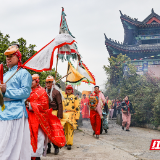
(141,43)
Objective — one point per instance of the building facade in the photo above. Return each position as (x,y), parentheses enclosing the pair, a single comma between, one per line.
(141,43)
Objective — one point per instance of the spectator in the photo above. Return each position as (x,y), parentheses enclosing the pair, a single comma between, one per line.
(115,110)
(111,109)
(126,113)
(118,106)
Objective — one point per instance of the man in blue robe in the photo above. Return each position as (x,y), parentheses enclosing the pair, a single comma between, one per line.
(14,127)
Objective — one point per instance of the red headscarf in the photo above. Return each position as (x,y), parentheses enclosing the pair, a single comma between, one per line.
(69,87)
(18,54)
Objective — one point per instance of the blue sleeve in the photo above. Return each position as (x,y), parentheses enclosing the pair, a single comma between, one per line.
(24,91)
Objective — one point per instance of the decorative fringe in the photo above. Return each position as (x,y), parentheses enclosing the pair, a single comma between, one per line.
(68,57)
(90,74)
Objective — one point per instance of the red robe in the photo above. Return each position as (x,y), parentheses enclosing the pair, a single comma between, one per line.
(85,107)
(95,119)
(42,116)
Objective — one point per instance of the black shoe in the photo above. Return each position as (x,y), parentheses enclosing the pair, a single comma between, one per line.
(69,147)
(106,131)
(56,151)
(49,148)
(48,151)
(122,127)
(127,130)
(93,133)
(97,136)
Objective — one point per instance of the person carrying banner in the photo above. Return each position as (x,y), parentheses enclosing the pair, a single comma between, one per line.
(41,120)
(96,111)
(72,113)
(14,127)
(55,102)
(85,107)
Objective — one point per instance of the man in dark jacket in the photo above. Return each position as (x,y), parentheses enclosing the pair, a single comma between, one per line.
(55,102)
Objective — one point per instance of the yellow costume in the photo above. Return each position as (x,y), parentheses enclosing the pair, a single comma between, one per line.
(71,113)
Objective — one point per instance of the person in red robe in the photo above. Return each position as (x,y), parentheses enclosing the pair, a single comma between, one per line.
(85,107)
(41,120)
(96,113)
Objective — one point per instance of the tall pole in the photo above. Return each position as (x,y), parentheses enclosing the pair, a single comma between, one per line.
(77,70)
(56,68)
(67,73)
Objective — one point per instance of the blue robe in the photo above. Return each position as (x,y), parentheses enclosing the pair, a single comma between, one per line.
(18,90)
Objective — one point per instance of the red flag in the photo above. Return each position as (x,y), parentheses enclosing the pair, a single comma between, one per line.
(1,73)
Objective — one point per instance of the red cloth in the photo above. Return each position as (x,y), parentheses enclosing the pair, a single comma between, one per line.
(19,55)
(42,116)
(127,103)
(85,107)
(95,121)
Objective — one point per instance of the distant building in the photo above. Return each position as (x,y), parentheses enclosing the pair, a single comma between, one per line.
(141,43)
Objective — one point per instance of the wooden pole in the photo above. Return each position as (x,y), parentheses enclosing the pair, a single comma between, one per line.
(77,70)
(63,77)
(13,74)
(67,73)
(56,68)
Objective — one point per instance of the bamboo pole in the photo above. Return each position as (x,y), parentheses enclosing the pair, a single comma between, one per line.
(67,73)
(63,77)
(77,70)
(56,68)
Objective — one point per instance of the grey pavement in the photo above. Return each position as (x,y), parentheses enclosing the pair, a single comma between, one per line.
(114,145)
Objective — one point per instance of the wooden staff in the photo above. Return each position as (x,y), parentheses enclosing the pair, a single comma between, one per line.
(63,77)
(67,73)
(77,70)
(56,67)
(13,74)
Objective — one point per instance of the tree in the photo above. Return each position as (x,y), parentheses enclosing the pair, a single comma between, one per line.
(143,91)
(26,52)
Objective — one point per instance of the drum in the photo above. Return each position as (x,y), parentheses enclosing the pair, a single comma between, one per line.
(93,101)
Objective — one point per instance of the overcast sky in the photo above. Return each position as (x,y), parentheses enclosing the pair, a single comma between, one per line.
(38,22)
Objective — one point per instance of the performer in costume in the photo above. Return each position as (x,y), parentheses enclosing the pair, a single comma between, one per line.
(96,114)
(72,113)
(14,127)
(41,120)
(55,102)
(85,107)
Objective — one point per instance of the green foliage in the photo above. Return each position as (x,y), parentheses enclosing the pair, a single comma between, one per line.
(26,52)
(143,91)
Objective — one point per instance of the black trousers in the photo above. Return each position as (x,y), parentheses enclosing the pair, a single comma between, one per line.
(49,146)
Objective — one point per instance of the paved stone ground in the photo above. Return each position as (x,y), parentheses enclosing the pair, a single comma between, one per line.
(114,145)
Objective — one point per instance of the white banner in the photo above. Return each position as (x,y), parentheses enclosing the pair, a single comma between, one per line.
(43,59)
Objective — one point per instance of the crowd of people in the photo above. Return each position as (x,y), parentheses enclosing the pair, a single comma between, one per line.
(110,109)
(33,118)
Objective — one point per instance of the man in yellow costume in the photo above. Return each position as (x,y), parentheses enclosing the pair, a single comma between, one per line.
(72,113)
